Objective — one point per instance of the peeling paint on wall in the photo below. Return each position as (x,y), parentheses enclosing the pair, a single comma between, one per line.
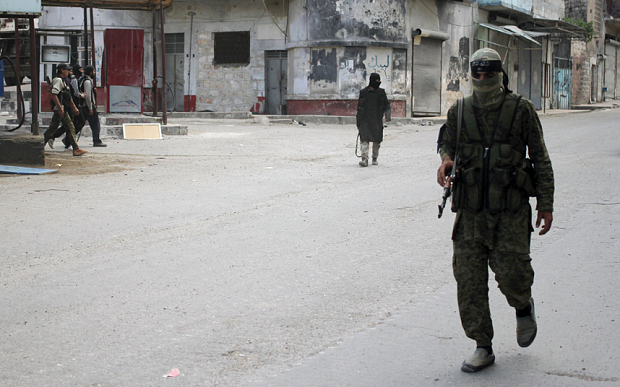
(324,70)
(458,67)
(357,19)
(352,71)
(399,71)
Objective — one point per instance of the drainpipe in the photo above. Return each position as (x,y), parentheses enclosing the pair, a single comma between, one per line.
(85,63)
(92,43)
(163,64)
(155,97)
(189,64)
(34,79)
(18,77)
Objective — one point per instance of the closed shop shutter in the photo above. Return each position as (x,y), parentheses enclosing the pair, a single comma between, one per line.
(427,77)
(610,70)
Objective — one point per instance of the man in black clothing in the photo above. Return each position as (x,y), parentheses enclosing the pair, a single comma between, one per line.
(371,107)
(89,106)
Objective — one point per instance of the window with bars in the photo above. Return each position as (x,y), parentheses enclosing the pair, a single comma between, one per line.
(175,43)
(232,47)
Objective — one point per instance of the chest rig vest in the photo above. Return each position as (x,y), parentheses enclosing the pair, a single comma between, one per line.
(493,177)
(64,97)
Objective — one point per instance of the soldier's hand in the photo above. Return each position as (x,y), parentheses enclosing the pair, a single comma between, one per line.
(547,217)
(442,172)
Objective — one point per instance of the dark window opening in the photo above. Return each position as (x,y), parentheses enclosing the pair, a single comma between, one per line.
(231,48)
(175,43)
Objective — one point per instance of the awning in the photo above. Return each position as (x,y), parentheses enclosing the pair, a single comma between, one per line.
(553,26)
(145,5)
(512,31)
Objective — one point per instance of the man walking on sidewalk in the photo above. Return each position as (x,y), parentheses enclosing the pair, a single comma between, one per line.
(487,140)
(371,106)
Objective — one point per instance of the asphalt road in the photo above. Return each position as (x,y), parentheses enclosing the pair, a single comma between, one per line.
(249,255)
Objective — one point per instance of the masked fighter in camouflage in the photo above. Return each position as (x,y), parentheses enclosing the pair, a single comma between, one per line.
(494,181)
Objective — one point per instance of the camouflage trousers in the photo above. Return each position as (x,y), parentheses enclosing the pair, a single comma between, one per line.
(471,262)
(67,125)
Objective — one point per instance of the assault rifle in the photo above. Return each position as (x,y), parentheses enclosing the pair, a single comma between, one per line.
(447,191)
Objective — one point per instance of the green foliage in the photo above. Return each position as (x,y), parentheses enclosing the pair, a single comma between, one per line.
(589,26)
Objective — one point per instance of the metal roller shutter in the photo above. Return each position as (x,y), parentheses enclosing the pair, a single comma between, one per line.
(427,77)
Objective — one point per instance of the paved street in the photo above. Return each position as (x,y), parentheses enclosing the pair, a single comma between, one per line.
(254,255)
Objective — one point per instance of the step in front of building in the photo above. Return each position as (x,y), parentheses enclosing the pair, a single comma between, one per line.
(116,131)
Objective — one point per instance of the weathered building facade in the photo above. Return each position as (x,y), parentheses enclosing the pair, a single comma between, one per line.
(589,60)
(313,56)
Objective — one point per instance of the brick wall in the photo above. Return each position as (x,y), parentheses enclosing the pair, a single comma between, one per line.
(227,88)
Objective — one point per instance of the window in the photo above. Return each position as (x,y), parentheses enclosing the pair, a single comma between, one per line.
(232,47)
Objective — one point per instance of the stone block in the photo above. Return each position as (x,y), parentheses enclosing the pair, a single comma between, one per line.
(22,150)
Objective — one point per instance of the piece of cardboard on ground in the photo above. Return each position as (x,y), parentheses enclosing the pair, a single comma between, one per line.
(25,170)
(146,131)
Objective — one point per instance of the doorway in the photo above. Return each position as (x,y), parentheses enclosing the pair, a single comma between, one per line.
(276,80)
(427,77)
(530,74)
(175,55)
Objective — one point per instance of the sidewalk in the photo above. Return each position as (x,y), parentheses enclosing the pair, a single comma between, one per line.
(7,121)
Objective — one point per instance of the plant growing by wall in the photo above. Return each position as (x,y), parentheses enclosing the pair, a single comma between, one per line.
(589,26)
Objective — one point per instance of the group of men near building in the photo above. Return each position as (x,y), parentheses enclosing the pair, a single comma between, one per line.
(74,100)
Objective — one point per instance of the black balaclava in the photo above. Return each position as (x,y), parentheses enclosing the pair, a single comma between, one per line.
(77,70)
(375,81)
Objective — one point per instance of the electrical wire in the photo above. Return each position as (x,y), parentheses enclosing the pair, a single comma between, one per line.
(19,91)
(447,22)
(272,18)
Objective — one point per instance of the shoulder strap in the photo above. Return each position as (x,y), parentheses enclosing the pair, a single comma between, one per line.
(459,123)
(81,83)
(507,116)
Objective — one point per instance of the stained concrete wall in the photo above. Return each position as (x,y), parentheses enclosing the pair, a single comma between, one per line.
(227,88)
(549,9)
(458,21)
(334,46)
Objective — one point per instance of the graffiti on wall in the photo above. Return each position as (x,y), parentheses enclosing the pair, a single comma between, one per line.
(378,60)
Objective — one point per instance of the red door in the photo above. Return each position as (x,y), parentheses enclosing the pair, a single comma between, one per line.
(124,67)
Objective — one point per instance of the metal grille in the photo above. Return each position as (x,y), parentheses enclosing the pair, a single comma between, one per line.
(232,47)
(175,43)
(277,54)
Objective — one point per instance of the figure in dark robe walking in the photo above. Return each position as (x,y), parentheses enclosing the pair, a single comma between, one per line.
(371,107)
